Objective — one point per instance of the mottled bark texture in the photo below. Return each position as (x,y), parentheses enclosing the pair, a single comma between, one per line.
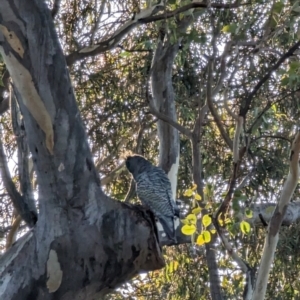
(164,101)
(84,243)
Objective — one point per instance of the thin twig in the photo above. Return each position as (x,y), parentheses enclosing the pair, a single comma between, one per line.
(171,14)
(100,14)
(112,174)
(243,265)
(55,8)
(170,121)
(237,157)
(162,116)
(247,102)
(238,130)
(272,137)
(213,109)
(128,26)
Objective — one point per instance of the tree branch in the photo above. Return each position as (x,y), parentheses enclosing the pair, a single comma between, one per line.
(107,179)
(138,149)
(256,121)
(4,105)
(23,157)
(213,109)
(20,205)
(171,122)
(229,111)
(99,16)
(4,102)
(236,140)
(114,40)
(55,8)
(170,14)
(144,16)
(247,102)
(11,237)
(272,137)
(272,237)
(239,261)
(237,156)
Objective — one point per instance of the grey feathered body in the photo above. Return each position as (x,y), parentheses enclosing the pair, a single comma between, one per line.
(154,190)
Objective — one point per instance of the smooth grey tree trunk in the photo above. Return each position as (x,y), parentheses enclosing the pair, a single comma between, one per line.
(84,243)
(164,101)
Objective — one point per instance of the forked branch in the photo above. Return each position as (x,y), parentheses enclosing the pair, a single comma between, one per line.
(272,237)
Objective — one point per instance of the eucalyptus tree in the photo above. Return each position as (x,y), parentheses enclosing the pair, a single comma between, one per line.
(212,86)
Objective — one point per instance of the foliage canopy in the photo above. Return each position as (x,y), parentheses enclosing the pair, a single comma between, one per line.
(252,74)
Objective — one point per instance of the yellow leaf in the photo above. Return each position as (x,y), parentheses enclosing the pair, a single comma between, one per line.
(198,197)
(245,227)
(176,264)
(194,187)
(227,220)
(188,193)
(213,231)
(206,236)
(208,205)
(200,240)
(224,219)
(224,282)
(196,210)
(192,219)
(206,220)
(171,269)
(188,229)
(221,222)
(184,221)
(173,266)
(231,132)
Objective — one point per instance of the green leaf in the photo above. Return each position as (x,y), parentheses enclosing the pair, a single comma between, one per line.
(285,80)
(124,54)
(188,193)
(198,197)
(237,194)
(278,7)
(235,204)
(231,28)
(294,66)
